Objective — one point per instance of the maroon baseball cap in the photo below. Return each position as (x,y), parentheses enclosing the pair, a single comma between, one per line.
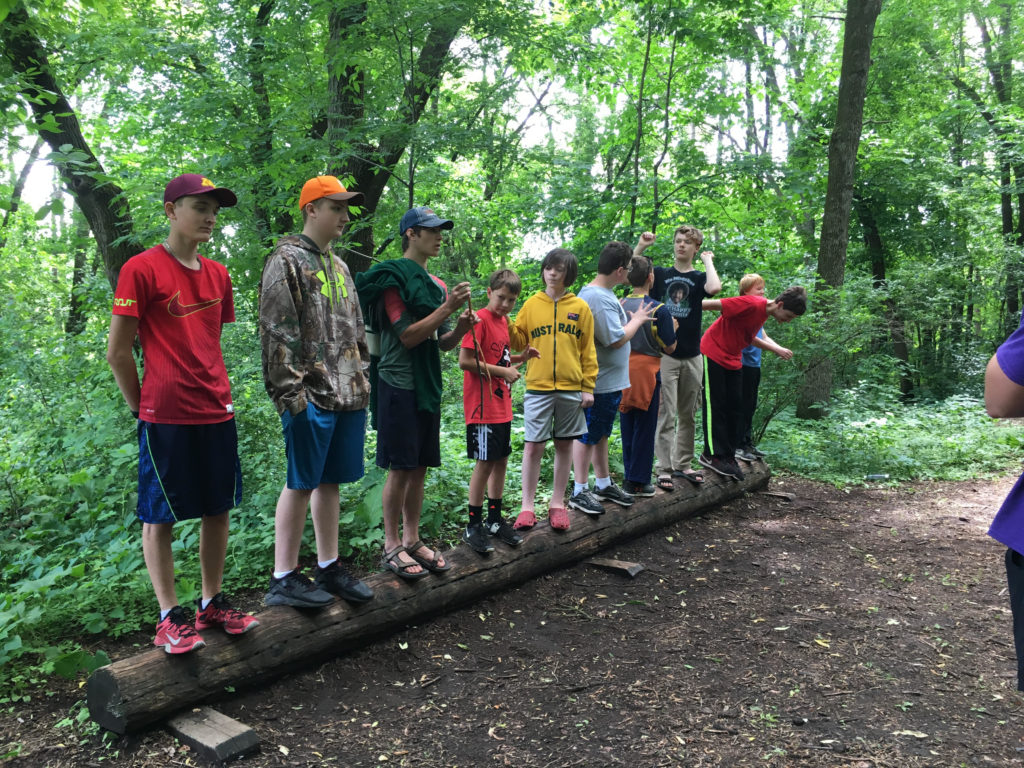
(194,184)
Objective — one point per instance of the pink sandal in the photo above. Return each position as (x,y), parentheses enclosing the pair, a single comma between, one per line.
(558,517)
(525,521)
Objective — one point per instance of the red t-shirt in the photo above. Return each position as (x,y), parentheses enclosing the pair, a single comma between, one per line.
(742,317)
(180,313)
(496,406)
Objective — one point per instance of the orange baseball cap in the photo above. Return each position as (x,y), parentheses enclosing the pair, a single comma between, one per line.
(329,187)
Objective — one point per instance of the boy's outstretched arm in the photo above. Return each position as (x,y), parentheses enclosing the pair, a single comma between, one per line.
(769,345)
(712,305)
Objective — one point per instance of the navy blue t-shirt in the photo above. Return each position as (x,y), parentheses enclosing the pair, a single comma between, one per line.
(682,293)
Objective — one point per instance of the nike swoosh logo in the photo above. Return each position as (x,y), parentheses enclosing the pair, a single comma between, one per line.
(176,309)
(174,640)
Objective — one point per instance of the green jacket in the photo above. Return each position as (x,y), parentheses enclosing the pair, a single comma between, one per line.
(421,296)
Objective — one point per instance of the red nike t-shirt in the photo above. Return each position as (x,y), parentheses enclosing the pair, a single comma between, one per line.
(742,317)
(181,312)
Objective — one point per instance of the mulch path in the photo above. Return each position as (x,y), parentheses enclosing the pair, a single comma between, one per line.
(861,627)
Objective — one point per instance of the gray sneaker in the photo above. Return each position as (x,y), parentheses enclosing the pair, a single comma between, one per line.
(743,453)
(296,590)
(616,494)
(585,501)
(336,579)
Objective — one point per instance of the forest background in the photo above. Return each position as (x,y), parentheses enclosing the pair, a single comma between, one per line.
(531,125)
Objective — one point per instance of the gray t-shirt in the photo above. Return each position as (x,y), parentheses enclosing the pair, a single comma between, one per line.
(609,319)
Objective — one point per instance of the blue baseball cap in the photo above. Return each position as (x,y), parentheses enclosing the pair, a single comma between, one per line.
(422,217)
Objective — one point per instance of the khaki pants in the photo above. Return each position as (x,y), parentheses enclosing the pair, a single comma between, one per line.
(680,395)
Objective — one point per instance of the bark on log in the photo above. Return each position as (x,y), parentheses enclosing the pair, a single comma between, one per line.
(134,692)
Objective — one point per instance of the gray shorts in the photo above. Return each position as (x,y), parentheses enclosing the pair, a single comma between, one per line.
(553,414)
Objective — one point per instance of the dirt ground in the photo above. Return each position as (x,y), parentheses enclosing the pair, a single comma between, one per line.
(862,627)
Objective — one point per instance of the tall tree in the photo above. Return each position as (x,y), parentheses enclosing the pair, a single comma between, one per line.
(99,198)
(842,165)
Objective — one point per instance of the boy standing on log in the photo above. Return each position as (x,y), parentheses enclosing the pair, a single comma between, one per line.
(314,349)
(682,288)
(177,301)
(638,417)
(612,334)
(559,383)
(722,345)
(490,370)
(407,311)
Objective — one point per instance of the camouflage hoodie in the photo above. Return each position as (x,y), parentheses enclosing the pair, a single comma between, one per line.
(311,330)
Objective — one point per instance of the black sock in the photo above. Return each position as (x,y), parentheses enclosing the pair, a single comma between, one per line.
(493,511)
(475,514)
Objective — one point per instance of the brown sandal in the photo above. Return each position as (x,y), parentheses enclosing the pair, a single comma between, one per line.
(431,564)
(391,562)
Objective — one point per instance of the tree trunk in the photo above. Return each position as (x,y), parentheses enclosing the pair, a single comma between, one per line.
(19,189)
(133,692)
(75,322)
(842,165)
(372,167)
(101,200)
(878,255)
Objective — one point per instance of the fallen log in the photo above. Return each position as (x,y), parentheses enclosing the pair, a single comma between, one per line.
(134,692)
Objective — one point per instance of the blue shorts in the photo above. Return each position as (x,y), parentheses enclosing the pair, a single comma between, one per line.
(323,446)
(407,438)
(601,417)
(187,471)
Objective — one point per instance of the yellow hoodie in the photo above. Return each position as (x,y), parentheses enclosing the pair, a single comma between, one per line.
(563,332)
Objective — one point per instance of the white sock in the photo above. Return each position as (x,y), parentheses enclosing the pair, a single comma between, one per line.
(163,614)
(603,482)
(205,603)
(580,487)
(282,574)
(326,563)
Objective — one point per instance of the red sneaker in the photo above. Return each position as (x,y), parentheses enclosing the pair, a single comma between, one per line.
(220,614)
(175,635)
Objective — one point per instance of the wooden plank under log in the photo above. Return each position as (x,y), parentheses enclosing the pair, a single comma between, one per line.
(134,692)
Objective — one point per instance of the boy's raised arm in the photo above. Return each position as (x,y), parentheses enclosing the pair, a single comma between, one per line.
(713,284)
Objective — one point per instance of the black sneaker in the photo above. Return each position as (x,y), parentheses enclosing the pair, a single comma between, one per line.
(616,494)
(506,533)
(336,579)
(733,469)
(297,590)
(724,467)
(477,538)
(585,501)
(743,453)
(638,489)
(755,450)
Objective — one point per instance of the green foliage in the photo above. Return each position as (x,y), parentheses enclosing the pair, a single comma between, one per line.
(870,433)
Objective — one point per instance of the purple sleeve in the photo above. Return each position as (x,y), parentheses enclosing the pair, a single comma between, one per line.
(1011,356)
